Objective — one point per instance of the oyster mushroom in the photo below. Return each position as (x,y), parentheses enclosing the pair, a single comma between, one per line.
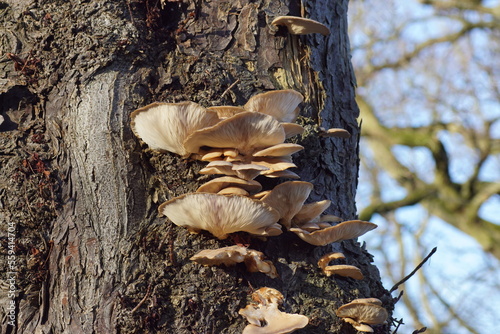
(265,317)
(221,215)
(245,132)
(281,104)
(165,126)
(301,26)
(218,184)
(346,230)
(363,312)
(229,256)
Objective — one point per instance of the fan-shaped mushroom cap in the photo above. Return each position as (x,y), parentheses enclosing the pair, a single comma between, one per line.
(274,164)
(367,313)
(254,260)
(327,258)
(301,26)
(243,171)
(165,126)
(310,212)
(245,132)
(281,104)
(221,215)
(266,312)
(217,184)
(226,111)
(233,191)
(359,327)
(292,129)
(335,132)
(283,173)
(212,154)
(344,270)
(279,150)
(288,198)
(343,231)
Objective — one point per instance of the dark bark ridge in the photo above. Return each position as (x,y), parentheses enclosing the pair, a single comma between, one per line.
(100,61)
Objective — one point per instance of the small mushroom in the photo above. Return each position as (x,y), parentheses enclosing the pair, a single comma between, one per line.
(288,198)
(334,132)
(233,191)
(221,215)
(279,150)
(361,313)
(218,184)
(346,230)
(281,104)
(165,126)
(310,212)
(266,318)
(226,111)
(229,256)
(292,129)
(301,26)
(341,269)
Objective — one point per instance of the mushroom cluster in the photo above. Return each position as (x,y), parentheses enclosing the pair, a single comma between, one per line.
(361,313)
(265,317)
(242,143)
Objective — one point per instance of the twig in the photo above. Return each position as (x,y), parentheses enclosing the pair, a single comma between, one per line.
(148,292)
(414,270)
(421,330)
(229,88)
(399,322)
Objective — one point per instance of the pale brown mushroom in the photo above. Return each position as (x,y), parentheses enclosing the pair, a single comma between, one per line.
(233,191)
(243,171)
(165,126)
(346,230)
(221,215)
(283,173)
(327,258)
(229,256)
(292,129)
(245,132)
(361,312)
(310,212)
(345,270)
(301,26)
(266,318)
(218,184)
(288,198)
(226,111)
(279,150)
(334,132)
(281,104)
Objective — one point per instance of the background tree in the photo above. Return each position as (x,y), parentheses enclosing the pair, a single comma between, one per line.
(93,255)
(429,100)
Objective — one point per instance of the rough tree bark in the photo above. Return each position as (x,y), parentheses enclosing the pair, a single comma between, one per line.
(84,194)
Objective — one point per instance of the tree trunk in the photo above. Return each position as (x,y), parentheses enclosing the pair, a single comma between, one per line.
(93,256)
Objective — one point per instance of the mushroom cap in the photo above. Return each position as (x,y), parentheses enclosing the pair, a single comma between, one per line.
(226,111)
(279,150)
(229,256)
(310,212)
(266,312)
(327,258)
(233,191)
(363,313)
(217,184)
(274,164)
(283,173)
(301,26)
(288,198)
(165,126)
(292,129)
(281,104)
(277,322)
(221,215)
(358,326)
(344,270)
(346,230)
(243,171)
(245,132)
(335,132)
